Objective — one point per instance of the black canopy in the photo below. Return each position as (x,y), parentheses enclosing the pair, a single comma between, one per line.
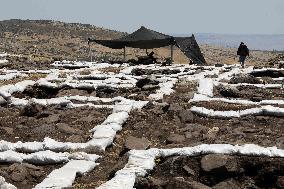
(189,46)
(145,38)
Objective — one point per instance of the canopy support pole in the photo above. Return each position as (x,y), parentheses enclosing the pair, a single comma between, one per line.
(172,53)
(90,52)
(124,54)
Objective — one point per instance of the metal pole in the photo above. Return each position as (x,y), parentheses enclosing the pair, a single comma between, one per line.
(124,52)
(90,52)
(172,53)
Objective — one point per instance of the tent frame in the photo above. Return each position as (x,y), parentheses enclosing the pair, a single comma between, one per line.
(144,38)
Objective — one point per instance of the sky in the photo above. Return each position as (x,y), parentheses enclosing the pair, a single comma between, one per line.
(167,16)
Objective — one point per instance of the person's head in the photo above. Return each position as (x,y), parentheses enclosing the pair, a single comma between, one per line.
(242,43)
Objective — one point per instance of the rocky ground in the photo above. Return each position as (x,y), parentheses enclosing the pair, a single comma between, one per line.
(24,175)
(171,124)
(166,122)
(66,125)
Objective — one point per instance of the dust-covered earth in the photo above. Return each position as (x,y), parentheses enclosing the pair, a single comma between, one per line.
(88,108)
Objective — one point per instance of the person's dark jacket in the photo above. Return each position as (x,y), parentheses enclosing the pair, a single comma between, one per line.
(243,50)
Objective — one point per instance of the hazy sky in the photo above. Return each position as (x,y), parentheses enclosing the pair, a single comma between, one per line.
(167,16)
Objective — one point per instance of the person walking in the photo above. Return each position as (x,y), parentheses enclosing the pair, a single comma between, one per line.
(243,52)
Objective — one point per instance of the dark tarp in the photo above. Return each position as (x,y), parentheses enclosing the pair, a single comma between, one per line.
(190,48)
(143,38)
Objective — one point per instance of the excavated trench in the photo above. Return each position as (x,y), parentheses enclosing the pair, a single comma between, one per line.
(140,92)
(24,175)
(216,171)
(252,93)
(268,73)
(34,122)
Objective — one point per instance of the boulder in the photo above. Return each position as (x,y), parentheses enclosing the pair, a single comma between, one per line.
(194,130)
(280,142)
(229,91)
(8,130)
(175,139)
(186,116)
(139,72)
(87,119)
(30,166)
(228,184)
(180,182)
(43,114)
(55,118)
(211,134)
(220,162)
(198,71)
(239,132)
(2,101)
(142,82)
(134,143)
(213,161)
(146,81)
(36,174)
(189,95)
(63,127)
(105,90)
(267,80)
(75,139)
(280,182)
(157,182)
(18,172)
(33,170)
(150,182)
(31,110)
(189,170)
(149,105)
(44,129)
(175,108)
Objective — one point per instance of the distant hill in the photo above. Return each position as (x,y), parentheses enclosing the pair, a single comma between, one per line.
(254,42)
(50,38)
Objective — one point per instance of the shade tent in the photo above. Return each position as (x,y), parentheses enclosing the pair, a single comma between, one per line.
(189,46)
(143,38)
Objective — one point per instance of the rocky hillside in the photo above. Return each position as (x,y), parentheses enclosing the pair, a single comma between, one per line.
(45,41)
(50,38)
